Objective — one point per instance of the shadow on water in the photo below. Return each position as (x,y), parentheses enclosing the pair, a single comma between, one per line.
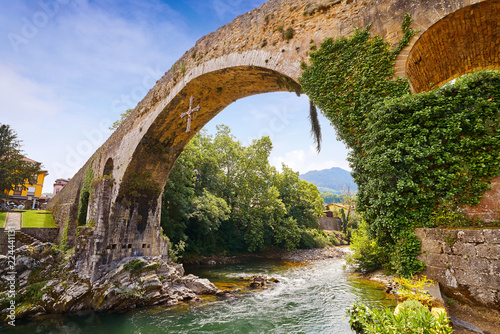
(310,298)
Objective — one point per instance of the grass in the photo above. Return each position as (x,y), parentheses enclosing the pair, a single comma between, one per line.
(3,215)
(38,218)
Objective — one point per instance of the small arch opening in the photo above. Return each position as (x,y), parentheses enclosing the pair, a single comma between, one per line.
(108,168)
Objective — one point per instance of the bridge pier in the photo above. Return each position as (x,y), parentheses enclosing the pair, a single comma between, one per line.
(117,229)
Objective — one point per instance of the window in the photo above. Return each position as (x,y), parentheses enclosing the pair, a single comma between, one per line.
(35,178)
(18,191)
(31,191)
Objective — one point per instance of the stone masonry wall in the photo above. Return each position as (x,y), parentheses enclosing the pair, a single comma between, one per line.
(330,223)
(466,262)
(43,234)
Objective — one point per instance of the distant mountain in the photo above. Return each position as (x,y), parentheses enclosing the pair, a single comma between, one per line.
(333,180)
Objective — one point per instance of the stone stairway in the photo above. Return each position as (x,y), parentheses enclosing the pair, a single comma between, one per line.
(26,238)
(13,221)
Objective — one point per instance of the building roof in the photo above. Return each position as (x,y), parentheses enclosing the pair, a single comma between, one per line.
(336,204)
(30,160)
(64,180)
(33,161)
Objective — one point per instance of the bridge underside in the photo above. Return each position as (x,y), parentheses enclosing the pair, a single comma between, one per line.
(465,41)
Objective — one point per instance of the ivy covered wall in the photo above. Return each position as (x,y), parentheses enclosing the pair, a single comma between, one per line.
(416,158)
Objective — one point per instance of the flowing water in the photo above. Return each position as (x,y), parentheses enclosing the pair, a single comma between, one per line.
(310,298)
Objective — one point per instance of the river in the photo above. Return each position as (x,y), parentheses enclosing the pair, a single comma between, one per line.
(310,298)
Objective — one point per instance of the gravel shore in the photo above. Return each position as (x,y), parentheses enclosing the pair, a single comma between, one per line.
(309,255)
(295,256)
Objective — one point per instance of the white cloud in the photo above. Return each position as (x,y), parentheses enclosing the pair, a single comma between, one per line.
(87,63)
(22,98)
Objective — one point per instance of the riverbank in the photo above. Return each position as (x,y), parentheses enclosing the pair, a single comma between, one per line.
(294,256)
(465,319)
(47,281)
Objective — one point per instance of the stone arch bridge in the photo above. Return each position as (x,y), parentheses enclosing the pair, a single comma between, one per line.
(257,52)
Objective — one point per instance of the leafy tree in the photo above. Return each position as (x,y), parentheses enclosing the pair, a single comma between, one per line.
(329,197)
(222,196)
(124,115)
(14,168)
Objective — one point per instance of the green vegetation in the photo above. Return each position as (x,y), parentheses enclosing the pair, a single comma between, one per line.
(414,289)
(288,34)
(14,170)
(135,266)
(117,123)
(85,193)
(367,255)
(329,197)
(64,240)
(3,216)
(412,304)
(411,154)
(224,197)
(38,218)
(364,320)
(412,315)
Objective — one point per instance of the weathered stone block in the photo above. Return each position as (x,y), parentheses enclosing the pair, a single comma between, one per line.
(491,281)
(469,278)
(441,234)
(464,249)
(471,236)
(492,236)
(420,232)
(490,297)
(495,266)
(432,246)
(437,260)
(435,273)
(474,264)
(488,251)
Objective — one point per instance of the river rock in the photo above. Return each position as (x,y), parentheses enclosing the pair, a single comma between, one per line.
(258,281)
(116,288)
(200,286)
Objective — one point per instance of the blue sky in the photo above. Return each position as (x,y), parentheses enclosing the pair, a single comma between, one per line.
(68,68)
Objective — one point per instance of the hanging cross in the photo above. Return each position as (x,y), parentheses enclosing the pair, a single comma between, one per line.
(189,112)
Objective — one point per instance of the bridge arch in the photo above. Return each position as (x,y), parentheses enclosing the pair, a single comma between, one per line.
(464,41)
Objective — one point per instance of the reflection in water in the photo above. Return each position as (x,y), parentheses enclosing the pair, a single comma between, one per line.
(310,298)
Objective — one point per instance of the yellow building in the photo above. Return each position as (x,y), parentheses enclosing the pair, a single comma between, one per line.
(335,206)
(29,191)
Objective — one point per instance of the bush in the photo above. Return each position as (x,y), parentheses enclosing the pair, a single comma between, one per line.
(412,305)
(313,238)
(134,266)
(414,289)
(332,239)
(404,256)
(367,321)
(367,254)
(288,34)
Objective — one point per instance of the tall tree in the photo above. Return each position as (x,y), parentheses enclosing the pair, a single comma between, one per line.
(14,168)
(224,196)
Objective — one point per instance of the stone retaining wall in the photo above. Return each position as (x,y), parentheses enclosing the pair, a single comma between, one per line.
(48,234)
(466,262)
(330,223)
